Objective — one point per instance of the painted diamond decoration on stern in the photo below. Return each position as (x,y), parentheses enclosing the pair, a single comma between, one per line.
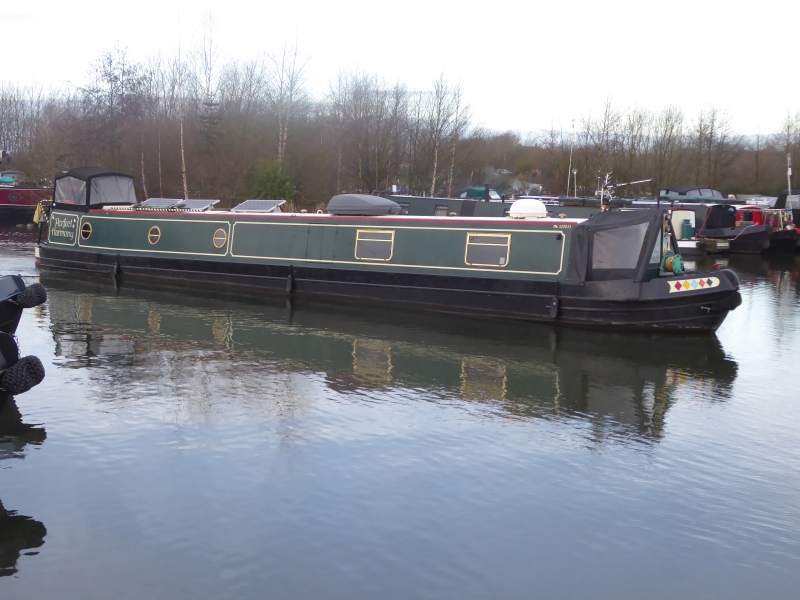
(691,285)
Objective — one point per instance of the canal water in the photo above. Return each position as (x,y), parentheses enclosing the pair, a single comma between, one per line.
(187,445)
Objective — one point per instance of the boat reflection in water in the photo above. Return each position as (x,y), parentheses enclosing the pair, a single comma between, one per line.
(207,356)
(18,534)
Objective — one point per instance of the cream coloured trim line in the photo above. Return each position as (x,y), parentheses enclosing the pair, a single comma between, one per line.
(350,262)
(505,231)
(154,251)
(223,223)
(361,226)
(232,233)
(155,221)
(469,269)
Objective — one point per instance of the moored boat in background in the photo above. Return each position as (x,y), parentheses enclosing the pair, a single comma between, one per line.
(18,199)
(790,200)
(715,225)
(783,234)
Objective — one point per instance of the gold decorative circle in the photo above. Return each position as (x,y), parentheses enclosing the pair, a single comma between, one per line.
(220,238)
(154,235)
(86,231)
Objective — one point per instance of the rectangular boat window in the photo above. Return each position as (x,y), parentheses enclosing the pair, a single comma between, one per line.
(404,206)
(487,249)
(440,210)
(618,248)
(70,190)
(374,244)
(112,190)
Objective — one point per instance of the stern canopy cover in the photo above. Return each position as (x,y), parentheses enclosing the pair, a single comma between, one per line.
(362,205)
(614,245)
(85,187)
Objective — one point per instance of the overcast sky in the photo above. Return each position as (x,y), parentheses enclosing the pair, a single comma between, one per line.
(523,65)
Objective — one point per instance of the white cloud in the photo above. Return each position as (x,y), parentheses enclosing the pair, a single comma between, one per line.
(523,65)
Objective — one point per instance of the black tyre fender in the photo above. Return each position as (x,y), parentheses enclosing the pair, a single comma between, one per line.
(33,295)
(23,375)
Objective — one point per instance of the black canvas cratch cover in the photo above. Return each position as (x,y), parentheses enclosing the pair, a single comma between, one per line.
(614,245)
(83,187)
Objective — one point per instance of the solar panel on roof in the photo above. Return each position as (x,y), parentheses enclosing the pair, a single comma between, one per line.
(179,203)
(262,206)
(162,202)
(199,204)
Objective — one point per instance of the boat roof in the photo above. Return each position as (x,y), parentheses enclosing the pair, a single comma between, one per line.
(681,188)
(86,173)
(378,218)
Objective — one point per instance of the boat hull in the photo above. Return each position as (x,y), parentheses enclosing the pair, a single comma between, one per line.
(651,305)
(743,240)
(17,205)
(783,241)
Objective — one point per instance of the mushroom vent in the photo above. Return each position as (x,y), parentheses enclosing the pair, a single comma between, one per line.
(528,208)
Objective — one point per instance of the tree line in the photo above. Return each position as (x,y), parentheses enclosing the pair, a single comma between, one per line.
(250,128)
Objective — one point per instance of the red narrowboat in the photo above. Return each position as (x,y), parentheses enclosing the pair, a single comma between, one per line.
(18,199)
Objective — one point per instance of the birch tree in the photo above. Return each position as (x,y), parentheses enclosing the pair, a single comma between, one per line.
(442,103)
(287,90)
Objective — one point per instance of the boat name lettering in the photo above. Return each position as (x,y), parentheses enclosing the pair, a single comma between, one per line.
(64,227)
(65,222)
(562,226)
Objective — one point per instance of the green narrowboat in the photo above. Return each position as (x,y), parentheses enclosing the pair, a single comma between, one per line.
(619,268)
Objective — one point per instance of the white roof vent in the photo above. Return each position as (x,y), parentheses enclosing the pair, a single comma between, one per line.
(528,208)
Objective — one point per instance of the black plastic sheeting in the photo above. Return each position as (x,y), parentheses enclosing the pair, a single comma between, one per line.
(84,173)
(78,188)
(583,238)
(720,216)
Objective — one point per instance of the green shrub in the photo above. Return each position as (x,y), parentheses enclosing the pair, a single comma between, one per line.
(272,182)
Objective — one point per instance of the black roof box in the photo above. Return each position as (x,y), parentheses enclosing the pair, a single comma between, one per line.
(362,205)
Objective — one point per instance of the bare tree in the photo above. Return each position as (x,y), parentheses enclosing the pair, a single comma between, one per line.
(667,138)
(287,90)
(441,110)
(460,119)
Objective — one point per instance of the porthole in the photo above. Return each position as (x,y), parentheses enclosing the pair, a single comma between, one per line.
(86,231)
(154,235)
(220,238)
